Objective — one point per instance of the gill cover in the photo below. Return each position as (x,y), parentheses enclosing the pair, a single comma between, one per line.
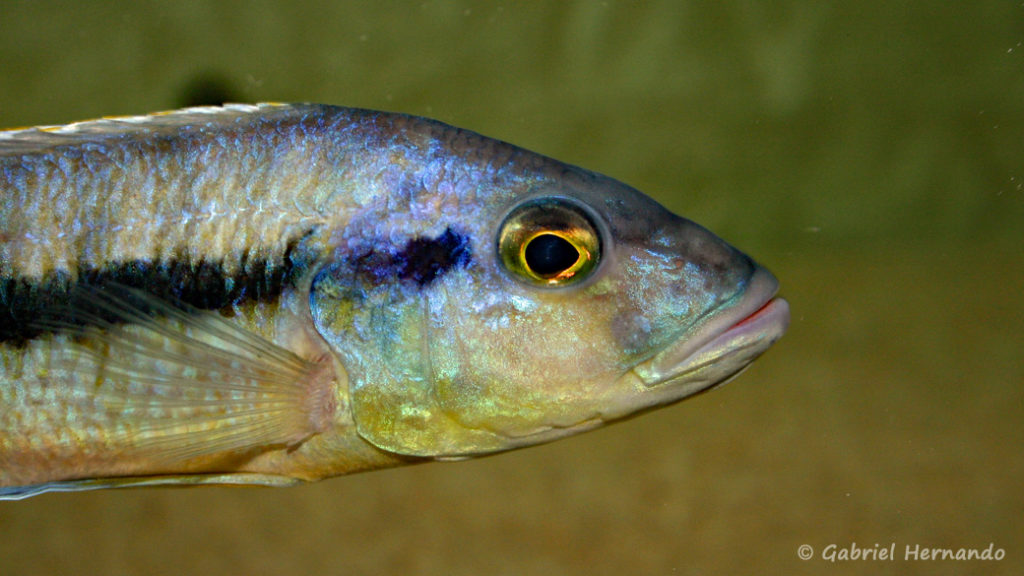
(372,307)
(446,366)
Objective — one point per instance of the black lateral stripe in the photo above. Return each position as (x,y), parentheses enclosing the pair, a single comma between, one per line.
(199,285)
(421,261)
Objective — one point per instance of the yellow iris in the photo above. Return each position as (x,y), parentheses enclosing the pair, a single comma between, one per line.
(549,242)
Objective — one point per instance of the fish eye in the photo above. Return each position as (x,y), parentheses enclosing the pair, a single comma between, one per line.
(549,242)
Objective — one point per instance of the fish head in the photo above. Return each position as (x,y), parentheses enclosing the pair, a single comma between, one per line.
(570,301)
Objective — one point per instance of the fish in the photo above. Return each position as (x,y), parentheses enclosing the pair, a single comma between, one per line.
(273,294)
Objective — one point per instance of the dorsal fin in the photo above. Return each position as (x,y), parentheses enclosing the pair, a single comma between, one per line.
(39,139)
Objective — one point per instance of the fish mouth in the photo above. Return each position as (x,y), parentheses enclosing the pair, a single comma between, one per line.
(727,342)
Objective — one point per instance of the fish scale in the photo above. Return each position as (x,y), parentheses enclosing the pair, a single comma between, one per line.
(275,293)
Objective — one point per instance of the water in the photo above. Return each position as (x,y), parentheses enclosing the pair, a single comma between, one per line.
(869,153)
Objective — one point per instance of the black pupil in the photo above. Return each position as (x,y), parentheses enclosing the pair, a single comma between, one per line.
(548,255)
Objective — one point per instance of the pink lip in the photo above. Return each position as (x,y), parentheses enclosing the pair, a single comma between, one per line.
(772,316)
(765,309)
(729,341)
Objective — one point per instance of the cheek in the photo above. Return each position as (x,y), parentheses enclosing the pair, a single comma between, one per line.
(631,331)
(517,370)
(564,342)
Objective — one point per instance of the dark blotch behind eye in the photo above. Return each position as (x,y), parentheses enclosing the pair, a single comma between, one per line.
(548,255)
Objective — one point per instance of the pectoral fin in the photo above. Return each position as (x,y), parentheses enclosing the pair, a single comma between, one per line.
(172,383)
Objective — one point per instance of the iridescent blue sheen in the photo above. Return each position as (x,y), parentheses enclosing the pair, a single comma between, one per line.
(276,293)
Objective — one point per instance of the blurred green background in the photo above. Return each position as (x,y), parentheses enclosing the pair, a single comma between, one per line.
(870,153)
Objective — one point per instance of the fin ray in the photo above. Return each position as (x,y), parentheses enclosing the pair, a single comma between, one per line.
(39,139)
(182,383)
(236,479)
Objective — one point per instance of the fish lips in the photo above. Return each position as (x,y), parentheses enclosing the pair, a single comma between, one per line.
(727,342)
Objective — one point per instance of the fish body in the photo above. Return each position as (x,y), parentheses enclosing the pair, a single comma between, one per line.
(269,294)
